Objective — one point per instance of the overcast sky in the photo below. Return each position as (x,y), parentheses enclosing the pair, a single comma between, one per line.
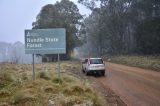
(18,15)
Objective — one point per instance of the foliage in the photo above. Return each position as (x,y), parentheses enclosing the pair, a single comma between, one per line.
(63,14)
(148,36)
(123,26)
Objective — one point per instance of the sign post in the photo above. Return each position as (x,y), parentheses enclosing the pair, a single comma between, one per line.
(58,66)
(33,68)
(45,41)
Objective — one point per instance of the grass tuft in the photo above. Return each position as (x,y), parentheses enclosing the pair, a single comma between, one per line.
(44,75)
(24,76)
(57,80)
(68,79)
(74,90)
(71,101)
(49,89)
(22,97)
(18,96)
(4,93)
(6,78)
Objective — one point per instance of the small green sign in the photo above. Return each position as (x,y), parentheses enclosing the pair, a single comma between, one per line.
(45,41)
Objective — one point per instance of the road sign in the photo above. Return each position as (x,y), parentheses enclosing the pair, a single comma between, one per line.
(45,41)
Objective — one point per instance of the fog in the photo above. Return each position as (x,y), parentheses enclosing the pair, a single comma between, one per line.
(15,53)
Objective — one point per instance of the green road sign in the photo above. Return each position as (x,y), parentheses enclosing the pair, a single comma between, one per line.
(45,41)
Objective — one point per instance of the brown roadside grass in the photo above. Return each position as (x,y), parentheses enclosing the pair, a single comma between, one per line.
(142,61)
(17,87)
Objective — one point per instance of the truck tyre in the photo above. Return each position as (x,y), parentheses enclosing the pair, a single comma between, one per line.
(103,73)
(83,70)
(86,73)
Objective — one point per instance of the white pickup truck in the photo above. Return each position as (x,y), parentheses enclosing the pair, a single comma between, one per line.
(93,66)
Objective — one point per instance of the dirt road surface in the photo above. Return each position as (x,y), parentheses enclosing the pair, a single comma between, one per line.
(135,86)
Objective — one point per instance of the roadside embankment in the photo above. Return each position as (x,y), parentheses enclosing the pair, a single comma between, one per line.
(146,61)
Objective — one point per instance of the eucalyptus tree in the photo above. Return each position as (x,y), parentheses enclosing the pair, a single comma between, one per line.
(127,26)
(63,14)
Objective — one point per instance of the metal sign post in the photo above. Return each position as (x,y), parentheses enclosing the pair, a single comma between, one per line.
(33,68)
(59,66)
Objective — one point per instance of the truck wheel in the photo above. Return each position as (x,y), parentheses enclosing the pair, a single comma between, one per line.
(86,73)
(103,73)
(83,70)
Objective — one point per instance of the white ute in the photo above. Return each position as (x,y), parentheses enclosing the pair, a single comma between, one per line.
(93,65)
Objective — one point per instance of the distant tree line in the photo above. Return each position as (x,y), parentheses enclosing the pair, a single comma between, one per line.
(122,27)
(15,53)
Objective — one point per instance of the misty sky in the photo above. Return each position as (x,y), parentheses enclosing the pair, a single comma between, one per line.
(18,15)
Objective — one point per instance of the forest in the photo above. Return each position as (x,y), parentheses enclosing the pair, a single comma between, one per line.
(113,27)
(122,27)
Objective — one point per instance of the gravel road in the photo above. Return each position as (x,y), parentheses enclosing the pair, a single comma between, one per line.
(124,85)
(135,86)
